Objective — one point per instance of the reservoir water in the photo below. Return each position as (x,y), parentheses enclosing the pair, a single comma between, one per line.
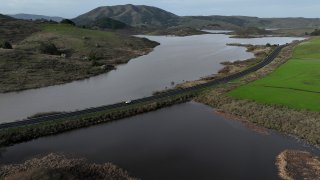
(187,141)
(175,60)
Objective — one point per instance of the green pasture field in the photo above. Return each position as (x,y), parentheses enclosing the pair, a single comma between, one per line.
(296,84)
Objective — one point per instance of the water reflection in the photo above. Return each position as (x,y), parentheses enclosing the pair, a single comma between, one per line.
(187,141)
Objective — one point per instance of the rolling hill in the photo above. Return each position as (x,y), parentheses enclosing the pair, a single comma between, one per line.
(36,17)
(132,15)
(234,22)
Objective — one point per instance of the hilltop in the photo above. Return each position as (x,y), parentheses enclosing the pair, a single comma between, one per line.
(132,15)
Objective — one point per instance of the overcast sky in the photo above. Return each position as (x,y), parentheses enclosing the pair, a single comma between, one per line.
(260,8)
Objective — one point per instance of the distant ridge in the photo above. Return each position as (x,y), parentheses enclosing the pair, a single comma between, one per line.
(36,17)
(148,16)
(133,15)
(246,21)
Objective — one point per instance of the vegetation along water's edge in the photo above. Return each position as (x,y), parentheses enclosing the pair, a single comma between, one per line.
(293,164)
(58,166)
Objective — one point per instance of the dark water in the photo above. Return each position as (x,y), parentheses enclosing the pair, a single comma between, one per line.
(175,60)
(187,141)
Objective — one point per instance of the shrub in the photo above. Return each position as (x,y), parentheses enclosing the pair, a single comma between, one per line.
(93,56)
(49,48)
(5,45)
(109,23)
(68,21)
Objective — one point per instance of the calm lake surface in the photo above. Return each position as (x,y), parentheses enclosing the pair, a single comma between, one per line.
(187,141)
(175,60)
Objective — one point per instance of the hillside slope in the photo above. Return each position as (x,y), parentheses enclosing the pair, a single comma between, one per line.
(14,30)
(106,23)
(139,15)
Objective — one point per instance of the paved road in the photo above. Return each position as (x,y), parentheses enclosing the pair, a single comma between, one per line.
(227,79)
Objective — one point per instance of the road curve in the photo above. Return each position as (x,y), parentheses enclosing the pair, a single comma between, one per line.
(223,80)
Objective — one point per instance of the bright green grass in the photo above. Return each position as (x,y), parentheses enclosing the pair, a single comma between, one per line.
(295,84)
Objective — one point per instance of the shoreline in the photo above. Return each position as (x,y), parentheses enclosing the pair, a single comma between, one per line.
(265,36)
(231,67)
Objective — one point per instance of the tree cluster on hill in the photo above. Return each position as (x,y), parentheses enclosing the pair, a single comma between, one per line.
(108,23)
(68,21)
(5,45)
(48,48)
(316,32)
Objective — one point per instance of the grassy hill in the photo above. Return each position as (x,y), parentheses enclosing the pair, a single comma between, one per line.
(295,84)
(60,53)
(130,14)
